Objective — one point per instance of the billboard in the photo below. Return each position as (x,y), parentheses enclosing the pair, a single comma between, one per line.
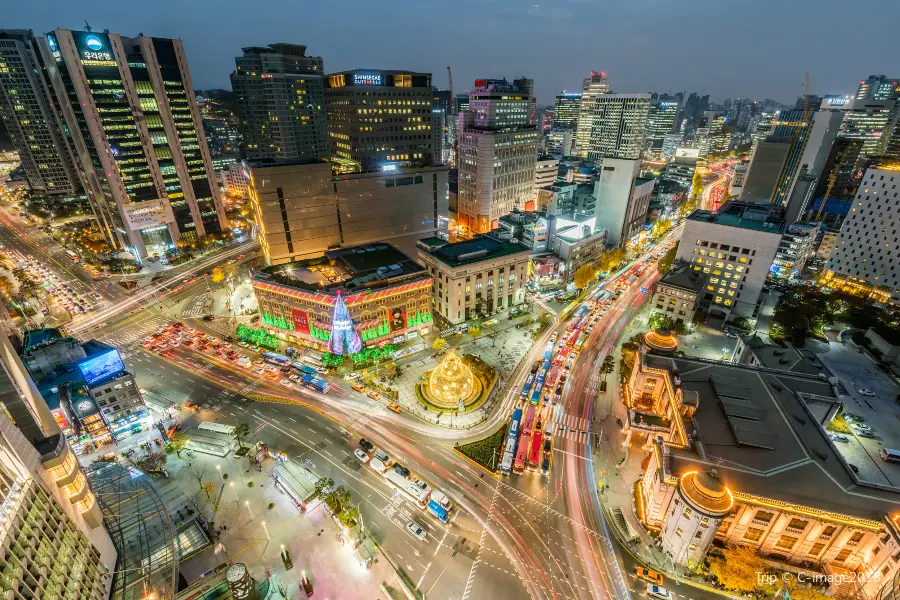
(398,318)
(150,213)
(101,366)
(92,46)
(301,321)
(687,153)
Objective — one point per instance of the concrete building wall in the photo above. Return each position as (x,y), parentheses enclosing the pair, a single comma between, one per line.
(764,170)
(613,193)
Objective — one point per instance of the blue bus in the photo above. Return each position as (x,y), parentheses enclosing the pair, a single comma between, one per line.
(548,353)
(527,387)
(439,511)
(514,425)
(315,384)
(303,369)
(542,374)
(536,394)
(276,359)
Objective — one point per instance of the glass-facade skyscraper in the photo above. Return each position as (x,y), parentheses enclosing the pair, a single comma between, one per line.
(280,101)
(129,106)
(31,117)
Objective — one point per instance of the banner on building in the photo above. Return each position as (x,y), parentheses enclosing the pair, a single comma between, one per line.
(398,318)
(301,321)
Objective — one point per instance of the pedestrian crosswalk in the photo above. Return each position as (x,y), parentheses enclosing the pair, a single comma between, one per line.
(571,427)
(127,336)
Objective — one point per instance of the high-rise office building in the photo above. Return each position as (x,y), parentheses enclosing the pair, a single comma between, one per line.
(871,121)
(619,126)
(660,121)
(879,87)
(53,540)
(566,110)
(380,119)
(31,117)
(497,152)
(591,88)
(441,117)
(136,128)
(279,96)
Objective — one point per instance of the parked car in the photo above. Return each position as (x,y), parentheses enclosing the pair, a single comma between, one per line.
(362,456)
(366,445)
(866,433)
(401,470)
(837,437)
(373,394)
(394,407)
(352,376)
(865,392)
(417,530)
(358,387)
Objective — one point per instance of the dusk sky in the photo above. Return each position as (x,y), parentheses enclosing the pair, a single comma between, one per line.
(758,49)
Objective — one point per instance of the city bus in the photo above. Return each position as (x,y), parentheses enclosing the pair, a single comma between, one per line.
(561,355)
(548,352)
(577,316)
(312,360)
(72,255)
(514,424)
(509,453)
(551,376)
(545,367)
(535,454)
(276,359)
(314,383)
(407,488)
(217,427)
(889,455)
(536,394)
(579,343)
(521,455)
(527,387)
(528,423)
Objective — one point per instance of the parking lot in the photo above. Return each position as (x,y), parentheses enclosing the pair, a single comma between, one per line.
(879,411)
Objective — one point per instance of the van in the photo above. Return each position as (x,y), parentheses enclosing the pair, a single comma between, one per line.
(378,466)
(383,456)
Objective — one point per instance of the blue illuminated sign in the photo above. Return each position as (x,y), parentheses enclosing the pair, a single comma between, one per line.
(51,41)
(101,366)
(93,42)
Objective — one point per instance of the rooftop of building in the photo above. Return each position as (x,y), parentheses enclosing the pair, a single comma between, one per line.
(683,278)
(477,249)
(784,358)
(355,268)
(41,337)
(643,180)
(755,426)
(743,215)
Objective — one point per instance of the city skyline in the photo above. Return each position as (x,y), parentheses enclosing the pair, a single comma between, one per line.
(636,53)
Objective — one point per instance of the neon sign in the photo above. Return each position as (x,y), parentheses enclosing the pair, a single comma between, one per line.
(95,44)
(837,101)
(367,79)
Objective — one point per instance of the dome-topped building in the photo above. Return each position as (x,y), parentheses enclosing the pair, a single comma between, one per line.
(661,341)
(701,502)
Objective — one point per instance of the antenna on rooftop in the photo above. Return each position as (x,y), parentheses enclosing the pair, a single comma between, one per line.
(87,26)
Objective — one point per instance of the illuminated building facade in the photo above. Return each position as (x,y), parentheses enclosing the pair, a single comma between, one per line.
(303,208)
(476,276)
(280,101)
(619,126)
(744,457)
(87,387)
(53,544)
(386,294)
(137,132)
(872,122)
(591,88)
(733,249)
(566,111)
(497,152)
(380,118)
(660,122)
(878,87)
(31,118)
(862,261)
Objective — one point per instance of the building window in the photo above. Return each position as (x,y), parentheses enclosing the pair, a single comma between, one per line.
(687,511)
(842,555)
(679,532)
(798,524)
(816,549)
(855,538)
(753,534)
(786,541)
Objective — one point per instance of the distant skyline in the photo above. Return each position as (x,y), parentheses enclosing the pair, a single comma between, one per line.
(759,50)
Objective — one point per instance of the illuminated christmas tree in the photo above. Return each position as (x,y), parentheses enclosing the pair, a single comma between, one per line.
(344,338)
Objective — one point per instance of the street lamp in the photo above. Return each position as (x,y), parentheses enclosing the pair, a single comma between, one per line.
(234,492)
(266,529)
(247,504)
(219,470)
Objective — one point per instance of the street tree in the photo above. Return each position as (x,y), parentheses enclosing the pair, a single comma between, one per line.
(439,344)
(726,196)
(583,276)
(210,488)
(152,462)
(738,569)
(218,275)
(474,331)
(608,366)
(324,486)
(240,432)
(696,186)
(6,287)
(198,473)
(176,444)
(665,263)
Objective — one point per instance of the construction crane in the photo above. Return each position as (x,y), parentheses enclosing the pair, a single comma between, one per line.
(454,119)
(831,179)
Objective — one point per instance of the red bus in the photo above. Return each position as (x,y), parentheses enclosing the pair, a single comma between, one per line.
(521,454)
(551,377)
(536,452)
(528,423)
(561,355)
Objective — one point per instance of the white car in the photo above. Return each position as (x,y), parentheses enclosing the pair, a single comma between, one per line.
(866,392)
(362,456)
(656,591)
(287,383)
(417,530)
(352,376)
